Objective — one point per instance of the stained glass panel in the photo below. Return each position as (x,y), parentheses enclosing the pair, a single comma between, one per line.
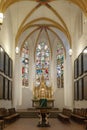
(60,66)
(25,65)
(42,62)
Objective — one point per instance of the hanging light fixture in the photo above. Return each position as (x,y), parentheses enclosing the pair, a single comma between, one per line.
(17,50)
(1,18)
(85,51)
(70,52)
(17,22)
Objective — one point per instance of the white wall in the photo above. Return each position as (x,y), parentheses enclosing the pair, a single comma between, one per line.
(79,44)
(23,95)
(6,41)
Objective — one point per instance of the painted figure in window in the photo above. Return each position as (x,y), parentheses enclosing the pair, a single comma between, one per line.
(42,61)
(25,65)
(60,66)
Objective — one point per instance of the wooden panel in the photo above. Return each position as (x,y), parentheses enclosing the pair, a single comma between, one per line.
(80,88)
(76,94)
(1,86)
(85,86)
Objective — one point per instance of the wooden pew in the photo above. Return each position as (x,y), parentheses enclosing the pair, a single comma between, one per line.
(65,115)
(1,124)
(79,115)
(13,115)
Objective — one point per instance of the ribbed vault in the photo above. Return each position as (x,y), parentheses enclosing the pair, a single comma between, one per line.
(37,18)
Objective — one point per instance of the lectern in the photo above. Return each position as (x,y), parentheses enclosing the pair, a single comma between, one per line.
(43,103)
(43,114)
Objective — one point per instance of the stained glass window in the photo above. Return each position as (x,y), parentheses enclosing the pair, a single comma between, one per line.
(60,66)
(42,62)
(25,65)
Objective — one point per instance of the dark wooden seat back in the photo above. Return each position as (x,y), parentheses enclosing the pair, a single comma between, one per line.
(3,111)
(66,111)
(11,111)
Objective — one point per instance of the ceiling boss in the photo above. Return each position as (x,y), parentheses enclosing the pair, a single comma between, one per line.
(43,2)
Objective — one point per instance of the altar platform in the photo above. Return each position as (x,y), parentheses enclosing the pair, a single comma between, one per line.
(33,112)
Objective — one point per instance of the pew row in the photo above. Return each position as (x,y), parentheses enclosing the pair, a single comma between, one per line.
(65,115)
(79,115)
(8,115)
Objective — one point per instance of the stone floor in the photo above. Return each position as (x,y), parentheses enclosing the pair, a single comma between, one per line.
(31,124)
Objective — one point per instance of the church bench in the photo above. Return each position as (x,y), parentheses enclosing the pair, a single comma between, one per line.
(13,115)
(85,123)
(1,124)
(79,115)
(3,113)
(65,115)
(13,112)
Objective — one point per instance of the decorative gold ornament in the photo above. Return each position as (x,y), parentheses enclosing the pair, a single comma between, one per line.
(42,91)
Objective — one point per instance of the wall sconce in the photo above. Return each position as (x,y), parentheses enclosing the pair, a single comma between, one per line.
(70,52)
(17,50)
(1,18)
(85,51)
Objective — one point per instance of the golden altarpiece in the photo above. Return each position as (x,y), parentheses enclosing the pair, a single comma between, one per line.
(42,92)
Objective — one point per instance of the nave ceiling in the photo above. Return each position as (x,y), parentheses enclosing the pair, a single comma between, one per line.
(43,19)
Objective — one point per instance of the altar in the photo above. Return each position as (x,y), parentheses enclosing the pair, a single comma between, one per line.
(43,101)
(36,103)
(42,92)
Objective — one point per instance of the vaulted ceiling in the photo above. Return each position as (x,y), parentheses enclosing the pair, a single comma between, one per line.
(43,19)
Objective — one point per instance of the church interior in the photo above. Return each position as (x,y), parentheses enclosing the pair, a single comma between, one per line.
(43,63)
